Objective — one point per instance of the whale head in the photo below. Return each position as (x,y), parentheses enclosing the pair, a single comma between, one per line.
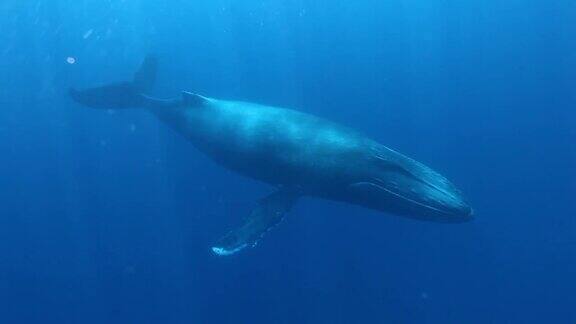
(403,186)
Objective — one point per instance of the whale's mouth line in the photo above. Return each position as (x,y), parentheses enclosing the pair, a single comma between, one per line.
(407,172)
(397,195)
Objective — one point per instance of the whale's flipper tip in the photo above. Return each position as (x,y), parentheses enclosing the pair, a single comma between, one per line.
(265,216)
(224,251)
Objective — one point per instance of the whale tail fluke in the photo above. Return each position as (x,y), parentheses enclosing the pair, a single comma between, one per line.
(145,77)
(122,95)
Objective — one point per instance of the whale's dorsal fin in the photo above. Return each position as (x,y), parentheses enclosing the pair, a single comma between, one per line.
(193,99)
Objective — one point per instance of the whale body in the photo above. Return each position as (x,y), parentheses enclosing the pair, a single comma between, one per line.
(298,153)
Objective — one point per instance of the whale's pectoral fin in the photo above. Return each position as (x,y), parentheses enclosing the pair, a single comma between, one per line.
(266,215)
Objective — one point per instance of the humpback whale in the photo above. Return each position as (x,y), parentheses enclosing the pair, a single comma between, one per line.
(298,153)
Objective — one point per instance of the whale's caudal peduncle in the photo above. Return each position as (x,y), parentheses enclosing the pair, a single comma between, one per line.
(299,153)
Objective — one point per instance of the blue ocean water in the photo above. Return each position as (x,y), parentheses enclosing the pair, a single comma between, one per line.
(108,216)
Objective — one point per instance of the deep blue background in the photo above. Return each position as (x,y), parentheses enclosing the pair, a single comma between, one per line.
(107,217)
